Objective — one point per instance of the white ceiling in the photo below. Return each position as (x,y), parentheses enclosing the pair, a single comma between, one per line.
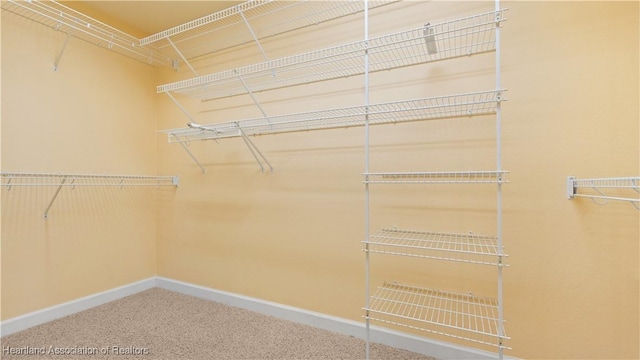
(143,18)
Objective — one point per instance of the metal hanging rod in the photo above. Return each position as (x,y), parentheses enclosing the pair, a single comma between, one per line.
(442,107)
(445,177)
(9,180)
(228,28)
(596,184)
(457,315)
(432,42)
(62,18)
(466,248)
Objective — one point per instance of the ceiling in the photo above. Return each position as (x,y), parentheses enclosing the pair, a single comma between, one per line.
(143,18)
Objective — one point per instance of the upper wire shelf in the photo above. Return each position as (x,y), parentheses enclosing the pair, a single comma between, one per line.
(442,177)
(465,248)
(9,179)
(62,18)
(431,42)
(237,25)
(595,184)
(469,104)
(461,316)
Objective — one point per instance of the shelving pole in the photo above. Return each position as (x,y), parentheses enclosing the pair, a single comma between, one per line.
(366,171)
(499,192)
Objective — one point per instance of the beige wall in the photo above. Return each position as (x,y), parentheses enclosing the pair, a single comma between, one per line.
(293,236)
(96,115)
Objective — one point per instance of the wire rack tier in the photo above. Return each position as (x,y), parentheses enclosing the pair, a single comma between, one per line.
(469,104)
(62,18)
(431,42)
(250,21)
(593,186)
(439,177)
(9,179)
(466,248)
(461,316)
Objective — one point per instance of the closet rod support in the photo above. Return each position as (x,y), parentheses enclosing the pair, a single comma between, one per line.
(55,195)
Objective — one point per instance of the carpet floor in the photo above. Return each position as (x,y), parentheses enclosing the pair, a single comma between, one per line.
(161,324)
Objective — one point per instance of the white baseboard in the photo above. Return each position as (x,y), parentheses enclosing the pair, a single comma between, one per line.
(438,349)
(26,321)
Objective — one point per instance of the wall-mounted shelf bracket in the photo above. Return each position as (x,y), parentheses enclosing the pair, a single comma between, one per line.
(55,195)
(184,146)
(596,185)
(181,56)
(255,151)
(253,35)
(64,46)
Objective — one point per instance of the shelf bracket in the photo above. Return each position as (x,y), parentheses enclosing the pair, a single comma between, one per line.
(255,101)
(189,153)
(8,184)
(181,56)
(64,46)
(253,34)
(254,151)
(55,195)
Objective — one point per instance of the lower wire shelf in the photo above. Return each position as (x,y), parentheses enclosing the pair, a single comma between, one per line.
(466,248)
(461,316)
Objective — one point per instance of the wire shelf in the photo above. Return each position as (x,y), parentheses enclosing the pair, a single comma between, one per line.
(227,28)
(62,18)
(9,179)
(444,177)
(595,184)
(462,37)
(462,316)
(466,248)
(470,104)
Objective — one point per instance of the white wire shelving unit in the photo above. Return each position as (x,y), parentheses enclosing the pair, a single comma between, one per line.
(432,42)
(467,248)
(457,315)
(437,177)
(442,107)
(466,36)
(8,180)
(463,316)
(594,189)
(75,24)
(249,22)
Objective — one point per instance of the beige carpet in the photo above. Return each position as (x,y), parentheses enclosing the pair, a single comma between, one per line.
(160,324)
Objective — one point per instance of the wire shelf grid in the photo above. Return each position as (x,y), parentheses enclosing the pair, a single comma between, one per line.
(227,28)
(594,186)
(442,177)
(62,18)
(462,316)
(9,179)
(461,37)
(442,107)
(466,248)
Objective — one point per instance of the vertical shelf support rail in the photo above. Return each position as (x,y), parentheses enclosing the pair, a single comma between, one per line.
(366,185)
(501,334)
